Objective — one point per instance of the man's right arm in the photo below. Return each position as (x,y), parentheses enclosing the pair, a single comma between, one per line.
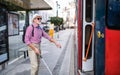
(28,36)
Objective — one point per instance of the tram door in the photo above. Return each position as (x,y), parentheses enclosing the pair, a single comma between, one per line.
(88,35)
(112,40)
(99,65)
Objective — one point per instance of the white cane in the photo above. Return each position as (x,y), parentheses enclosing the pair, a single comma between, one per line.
(46,65)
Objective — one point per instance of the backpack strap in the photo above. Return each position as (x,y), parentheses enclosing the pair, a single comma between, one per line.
(32,31)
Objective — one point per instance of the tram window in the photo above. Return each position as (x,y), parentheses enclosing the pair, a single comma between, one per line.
(88,30)
(88,13)
(113,14)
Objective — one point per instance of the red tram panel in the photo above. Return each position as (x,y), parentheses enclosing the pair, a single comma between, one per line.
(112,56)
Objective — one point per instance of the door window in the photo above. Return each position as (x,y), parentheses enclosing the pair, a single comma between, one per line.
(88,30)
(89,6)
(113,14)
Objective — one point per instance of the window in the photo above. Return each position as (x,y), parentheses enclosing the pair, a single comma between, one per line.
(89,6)
(88,30)
(113,14)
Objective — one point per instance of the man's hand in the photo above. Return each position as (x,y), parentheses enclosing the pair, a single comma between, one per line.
(58,45)
(37,51)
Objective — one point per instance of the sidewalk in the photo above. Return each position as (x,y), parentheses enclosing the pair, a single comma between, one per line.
(55,61)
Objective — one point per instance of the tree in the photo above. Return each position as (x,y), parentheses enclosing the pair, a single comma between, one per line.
(57,21)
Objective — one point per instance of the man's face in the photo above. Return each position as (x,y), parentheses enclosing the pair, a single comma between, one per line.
(37,20)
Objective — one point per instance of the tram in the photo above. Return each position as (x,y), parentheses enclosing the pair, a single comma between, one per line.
(98,35)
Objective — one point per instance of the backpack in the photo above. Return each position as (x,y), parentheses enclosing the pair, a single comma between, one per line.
(24,31)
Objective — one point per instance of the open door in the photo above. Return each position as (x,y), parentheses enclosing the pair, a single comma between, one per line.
(88,35)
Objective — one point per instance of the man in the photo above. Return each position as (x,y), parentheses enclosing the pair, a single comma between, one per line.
(34,41)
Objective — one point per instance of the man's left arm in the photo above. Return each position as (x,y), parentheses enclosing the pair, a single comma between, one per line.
(55,42)
(45,35)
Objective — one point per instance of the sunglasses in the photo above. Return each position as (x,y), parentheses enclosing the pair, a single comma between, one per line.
(39,18)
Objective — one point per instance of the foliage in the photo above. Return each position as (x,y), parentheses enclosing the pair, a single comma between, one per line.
(56,21)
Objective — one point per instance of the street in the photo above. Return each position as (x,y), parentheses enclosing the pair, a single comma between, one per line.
(55,61)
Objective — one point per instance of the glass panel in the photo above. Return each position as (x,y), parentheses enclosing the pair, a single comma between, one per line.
(2,17)
(3,36)
(113,14)
(89,6)
(88,30)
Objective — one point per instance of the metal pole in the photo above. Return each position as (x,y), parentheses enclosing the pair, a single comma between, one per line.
(27,18)
(57,8)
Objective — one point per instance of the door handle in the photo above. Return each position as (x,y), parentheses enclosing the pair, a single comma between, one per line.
(100,35)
